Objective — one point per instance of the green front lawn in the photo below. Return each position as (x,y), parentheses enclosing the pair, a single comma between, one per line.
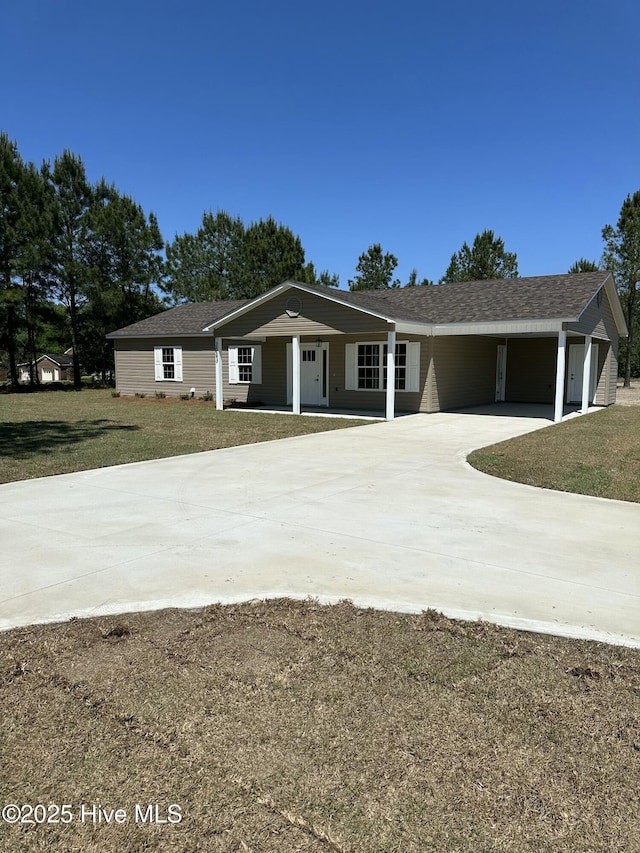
(56,432)
(598,454)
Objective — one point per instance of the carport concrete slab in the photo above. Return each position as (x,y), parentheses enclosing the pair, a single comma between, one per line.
(389,515)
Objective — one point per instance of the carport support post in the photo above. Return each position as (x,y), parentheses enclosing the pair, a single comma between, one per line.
(295,369)
(219,388)
(560,364)
(391,375)
(586,375)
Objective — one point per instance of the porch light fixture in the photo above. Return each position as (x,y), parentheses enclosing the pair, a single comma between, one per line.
(318,342)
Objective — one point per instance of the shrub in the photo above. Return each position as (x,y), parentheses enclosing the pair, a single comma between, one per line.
(160,395)
(115,393)
(208,396)
(140,394)
(185,397)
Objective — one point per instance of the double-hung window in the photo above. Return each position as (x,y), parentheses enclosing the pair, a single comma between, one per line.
(401,367)
(168,364)
(366,366)
(245,364)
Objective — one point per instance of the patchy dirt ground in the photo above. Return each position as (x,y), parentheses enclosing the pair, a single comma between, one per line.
(290,727)
(629,396)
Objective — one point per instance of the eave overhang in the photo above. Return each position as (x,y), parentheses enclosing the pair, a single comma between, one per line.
(609,286)
(113,336)
(505,327)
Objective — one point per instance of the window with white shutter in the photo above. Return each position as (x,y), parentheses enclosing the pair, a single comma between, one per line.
(168,364)
(366,366)
(245,364)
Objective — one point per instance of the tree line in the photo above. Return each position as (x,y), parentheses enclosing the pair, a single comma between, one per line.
(80,259)
(77,260)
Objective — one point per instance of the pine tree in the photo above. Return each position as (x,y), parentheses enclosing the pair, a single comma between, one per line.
(269,254)
(199,266)
(583,265)
(622,257)
(486,259)
(71,273)
(11,171)
(122,252)
(374,270)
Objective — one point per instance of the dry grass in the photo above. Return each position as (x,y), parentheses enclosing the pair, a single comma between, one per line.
(56,432)
(287,726)
(598,454)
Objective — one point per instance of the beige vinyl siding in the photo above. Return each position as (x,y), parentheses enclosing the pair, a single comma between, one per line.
(597,320)
(602,376)
(611,369)
(375,401)
(463,372)
(273,389)
(318,316)
(135,369)
(607,374)
(531,370)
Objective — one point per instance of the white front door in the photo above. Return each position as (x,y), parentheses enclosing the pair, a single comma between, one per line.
(574,379)
(501,373)
(314,374)
(310,367)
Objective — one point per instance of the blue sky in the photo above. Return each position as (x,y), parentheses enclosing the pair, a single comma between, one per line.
(412,124)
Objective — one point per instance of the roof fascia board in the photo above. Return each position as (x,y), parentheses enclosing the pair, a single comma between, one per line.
(207,335)
(614,301)
(281,288)
(609,286)
(506,327)
(113,336)
(406,327)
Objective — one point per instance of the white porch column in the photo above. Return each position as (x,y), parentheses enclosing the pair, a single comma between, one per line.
(586,375)
(391,375)
(219,380)
(560,367)
(295,370)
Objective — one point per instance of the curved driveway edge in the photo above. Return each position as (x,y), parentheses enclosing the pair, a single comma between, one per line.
(388,515)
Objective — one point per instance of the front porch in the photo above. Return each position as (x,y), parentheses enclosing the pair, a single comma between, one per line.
(301,374)
(316,412)
(544,412)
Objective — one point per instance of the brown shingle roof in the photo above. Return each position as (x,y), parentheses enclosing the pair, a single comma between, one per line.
(496,300)
(549,297)
(187,319)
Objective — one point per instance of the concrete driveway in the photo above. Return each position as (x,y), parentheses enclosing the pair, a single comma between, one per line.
(388,515)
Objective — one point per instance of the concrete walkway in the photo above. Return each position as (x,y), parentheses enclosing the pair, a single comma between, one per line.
(388,515)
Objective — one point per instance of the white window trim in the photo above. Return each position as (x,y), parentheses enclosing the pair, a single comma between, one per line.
(412,368)
(256,364)
(159,364)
